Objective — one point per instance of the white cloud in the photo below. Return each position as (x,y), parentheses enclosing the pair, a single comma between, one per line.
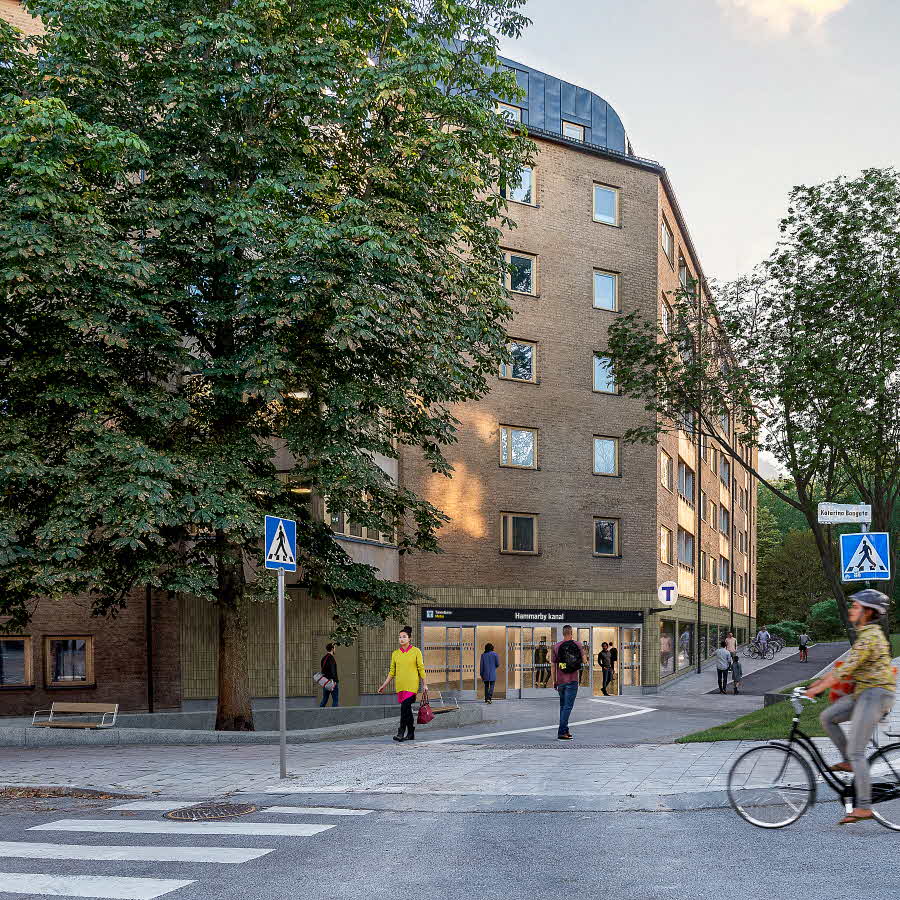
(782,15)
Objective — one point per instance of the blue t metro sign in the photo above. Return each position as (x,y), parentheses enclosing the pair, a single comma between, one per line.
(865,556)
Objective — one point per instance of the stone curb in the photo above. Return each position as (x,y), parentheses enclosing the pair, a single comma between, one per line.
(66,737)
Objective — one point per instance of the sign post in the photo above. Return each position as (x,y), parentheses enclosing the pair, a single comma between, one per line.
(281,554)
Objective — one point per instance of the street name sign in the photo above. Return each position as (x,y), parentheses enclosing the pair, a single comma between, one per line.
(667,593)
(837,513)
(866,556)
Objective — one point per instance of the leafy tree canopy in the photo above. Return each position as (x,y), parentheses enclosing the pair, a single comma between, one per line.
(248,247)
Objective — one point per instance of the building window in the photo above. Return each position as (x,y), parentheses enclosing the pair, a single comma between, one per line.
(508,111)
(344,526)
(15,662)
(520,273)
(724,571)
(684,275)
(666,647)
(606,204)
(667,241)
(712,518)
(69,661)
(665,545)
(573,131)
(686,482)
(666,471)
(606,537)
(518,447)
(523,366)
(702,506)
(685,549)
(703,571)
(518,533)
(604,379)
(724,520)
(520,188)
(606,290)
(685,644)
(606,456)
(666,317)
(724,470)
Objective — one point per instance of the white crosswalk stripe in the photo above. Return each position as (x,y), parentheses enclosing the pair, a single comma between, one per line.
(117,826)
(122,853)
(88,886)
(315,811)
(116,887)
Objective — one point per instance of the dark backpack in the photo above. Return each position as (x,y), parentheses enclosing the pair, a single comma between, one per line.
(568,657)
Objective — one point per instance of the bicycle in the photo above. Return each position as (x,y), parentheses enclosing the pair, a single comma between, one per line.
(760,651)
(773,785)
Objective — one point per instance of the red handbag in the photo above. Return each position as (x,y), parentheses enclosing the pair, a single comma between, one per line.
(426,714)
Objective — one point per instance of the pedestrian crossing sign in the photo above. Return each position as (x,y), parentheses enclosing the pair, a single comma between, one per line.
(865,556)
(281,544)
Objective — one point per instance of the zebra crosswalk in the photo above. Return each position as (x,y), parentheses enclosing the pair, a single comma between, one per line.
(115,882)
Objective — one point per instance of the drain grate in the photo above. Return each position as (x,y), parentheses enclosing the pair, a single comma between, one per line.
(211,811)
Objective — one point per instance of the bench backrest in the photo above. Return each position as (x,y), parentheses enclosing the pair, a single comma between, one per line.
(97,708)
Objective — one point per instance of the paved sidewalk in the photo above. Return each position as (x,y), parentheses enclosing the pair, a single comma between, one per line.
(707,682)
(463,770)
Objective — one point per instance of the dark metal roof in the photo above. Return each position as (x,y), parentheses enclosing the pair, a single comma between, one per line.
(550,100)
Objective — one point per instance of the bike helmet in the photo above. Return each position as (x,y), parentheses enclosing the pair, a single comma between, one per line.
(872,599)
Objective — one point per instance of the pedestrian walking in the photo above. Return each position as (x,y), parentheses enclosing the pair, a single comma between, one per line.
(407,670)
(567,659)
(869,665)
(737,673)
(604,660)
(804,641)
(613,658)
(723,664)
(328,668)
(731,643)
(487,668)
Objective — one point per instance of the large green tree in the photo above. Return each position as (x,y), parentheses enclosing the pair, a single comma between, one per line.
(801,358)
(257,247)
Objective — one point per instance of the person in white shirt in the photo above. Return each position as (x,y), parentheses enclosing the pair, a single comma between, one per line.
(763,637)
(723,664)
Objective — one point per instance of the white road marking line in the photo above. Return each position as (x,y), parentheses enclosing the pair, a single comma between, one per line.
(332,789)
(315,810)
(157,805)
(167,827)
(88,886)
(469,738)
(26,850)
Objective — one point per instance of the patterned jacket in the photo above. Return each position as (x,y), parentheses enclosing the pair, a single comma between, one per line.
(869,662)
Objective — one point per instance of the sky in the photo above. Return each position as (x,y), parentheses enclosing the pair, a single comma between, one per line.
(740,100)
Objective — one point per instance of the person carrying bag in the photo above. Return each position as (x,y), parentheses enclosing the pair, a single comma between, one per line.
(407,670)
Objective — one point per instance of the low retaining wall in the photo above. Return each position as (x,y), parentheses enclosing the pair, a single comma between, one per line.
(27,736)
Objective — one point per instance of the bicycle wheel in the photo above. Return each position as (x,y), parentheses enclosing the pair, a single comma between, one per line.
(884,765)
(771,786)
(770,652)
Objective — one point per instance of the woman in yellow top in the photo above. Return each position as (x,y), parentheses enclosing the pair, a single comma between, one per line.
(407,667)
(869,664)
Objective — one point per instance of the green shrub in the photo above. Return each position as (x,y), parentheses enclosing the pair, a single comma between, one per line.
(788,634)
(825,621)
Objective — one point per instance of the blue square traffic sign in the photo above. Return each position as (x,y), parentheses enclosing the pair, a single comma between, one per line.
(866,556)
(281,544)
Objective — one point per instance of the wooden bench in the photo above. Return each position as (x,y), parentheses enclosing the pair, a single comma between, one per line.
(97,711)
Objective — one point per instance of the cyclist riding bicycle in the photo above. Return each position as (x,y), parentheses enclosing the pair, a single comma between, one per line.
(869,664)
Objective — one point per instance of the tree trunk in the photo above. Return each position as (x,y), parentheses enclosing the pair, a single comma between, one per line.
(233,712)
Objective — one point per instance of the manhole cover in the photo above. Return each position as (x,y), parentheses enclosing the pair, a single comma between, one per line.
(213,811)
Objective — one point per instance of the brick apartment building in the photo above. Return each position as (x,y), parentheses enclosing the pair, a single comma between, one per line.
(554,517)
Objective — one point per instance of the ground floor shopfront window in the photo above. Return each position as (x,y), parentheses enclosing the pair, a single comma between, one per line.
(452,656)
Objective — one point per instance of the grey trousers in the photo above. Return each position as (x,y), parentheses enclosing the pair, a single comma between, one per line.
(863,712)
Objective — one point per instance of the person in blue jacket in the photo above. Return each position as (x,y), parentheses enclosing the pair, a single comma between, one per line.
(490,662)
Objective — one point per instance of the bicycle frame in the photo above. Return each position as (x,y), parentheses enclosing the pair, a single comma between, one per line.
(798,737)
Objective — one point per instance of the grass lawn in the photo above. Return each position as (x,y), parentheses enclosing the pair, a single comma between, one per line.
(771,721)
(762,725)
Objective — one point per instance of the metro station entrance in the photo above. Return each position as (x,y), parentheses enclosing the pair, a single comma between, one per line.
(452,655)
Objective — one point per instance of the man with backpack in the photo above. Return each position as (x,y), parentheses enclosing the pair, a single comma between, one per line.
(567,658)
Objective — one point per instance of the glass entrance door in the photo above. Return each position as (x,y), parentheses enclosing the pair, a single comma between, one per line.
(630,659)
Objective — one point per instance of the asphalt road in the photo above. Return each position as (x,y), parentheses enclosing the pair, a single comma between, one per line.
(565,852)
(790,670)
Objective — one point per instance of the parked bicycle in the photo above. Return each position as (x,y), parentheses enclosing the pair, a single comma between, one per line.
(773,785)
(756,650)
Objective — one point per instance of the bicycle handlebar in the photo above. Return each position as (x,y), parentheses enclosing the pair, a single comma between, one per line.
(797,696)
